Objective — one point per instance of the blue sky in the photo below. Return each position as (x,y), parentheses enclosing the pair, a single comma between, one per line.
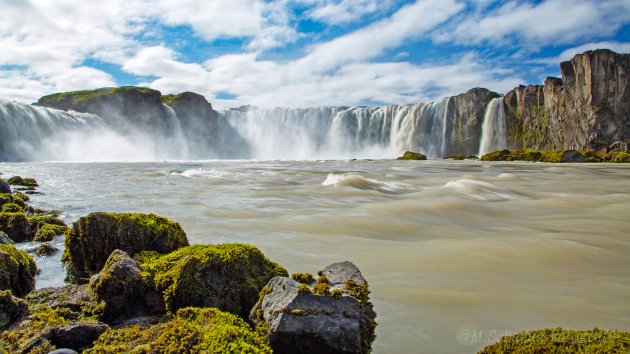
(299,53)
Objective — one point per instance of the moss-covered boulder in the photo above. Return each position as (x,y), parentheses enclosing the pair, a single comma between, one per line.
(560,341)
(16,226)
(48,232)
(43,250)
(192,330)
(618,156)
(20,181)
(95,236)
(5,239)
(535,156)
(121,287)
(11,208)
(73,298)
(227,276)
(11,308)
(410,155)
(17,270)
(331,314)
(8,198)
(4,186)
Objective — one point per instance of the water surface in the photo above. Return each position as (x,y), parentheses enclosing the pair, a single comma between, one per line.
(457,253)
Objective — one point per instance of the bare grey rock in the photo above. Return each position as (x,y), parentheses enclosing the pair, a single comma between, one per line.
(299,321)
(4,186)
(78,335)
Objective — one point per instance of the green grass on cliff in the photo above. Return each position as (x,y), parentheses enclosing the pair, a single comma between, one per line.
(79,96)
(170,100)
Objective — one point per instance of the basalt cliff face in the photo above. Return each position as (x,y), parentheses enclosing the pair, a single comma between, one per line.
(588,107)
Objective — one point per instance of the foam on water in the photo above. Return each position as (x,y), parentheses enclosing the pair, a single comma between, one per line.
(360,182)
(481,191)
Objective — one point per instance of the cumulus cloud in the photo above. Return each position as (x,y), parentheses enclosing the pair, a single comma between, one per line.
(336,12)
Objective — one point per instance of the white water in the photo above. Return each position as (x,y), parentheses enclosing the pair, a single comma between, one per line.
(32,133)
(493,130)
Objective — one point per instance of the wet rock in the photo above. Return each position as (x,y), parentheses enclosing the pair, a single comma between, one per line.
(4,186)
(45,249)
(17,270)
(11,309)
(572,156)
(63,351)
(228,277)
(95,236)
(19,181)
(296,319)
(410,155)
(4,239)
(79,335)
(121,287)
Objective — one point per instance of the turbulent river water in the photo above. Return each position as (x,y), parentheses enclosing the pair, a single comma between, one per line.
(457,253)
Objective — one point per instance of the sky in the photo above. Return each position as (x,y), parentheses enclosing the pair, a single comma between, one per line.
(300,53)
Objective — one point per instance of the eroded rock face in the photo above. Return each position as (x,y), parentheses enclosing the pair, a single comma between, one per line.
(121,287)
(95,236)
(11,309)
(17,270)
(464,133)
(298,320)
(588,108)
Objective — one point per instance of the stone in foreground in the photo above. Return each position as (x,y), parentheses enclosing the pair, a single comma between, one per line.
(95,236)
(17,270)
(330,315)
(11,308)
(192,330)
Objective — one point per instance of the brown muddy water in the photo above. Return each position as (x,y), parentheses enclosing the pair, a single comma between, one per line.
(457,253)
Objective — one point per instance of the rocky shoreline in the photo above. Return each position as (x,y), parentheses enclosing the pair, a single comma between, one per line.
(137,285)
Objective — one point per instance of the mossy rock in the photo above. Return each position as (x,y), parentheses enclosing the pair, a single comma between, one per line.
(48,232)
(535,156)
(45,249)
(17,270)
(11,308)
(11,208)
(19,181)
(76,97)
(457,157)
(4,186)
(410,155)
(95,236)
(22,196)
(5,239)
(192,330)
(618,156)
(73,298)
(16,226)
(558,340)
(228,276)
(8,198)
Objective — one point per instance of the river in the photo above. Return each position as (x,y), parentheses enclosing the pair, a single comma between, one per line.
(457,253)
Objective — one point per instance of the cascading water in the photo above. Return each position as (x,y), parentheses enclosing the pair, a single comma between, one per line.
(31,133)
(493,130)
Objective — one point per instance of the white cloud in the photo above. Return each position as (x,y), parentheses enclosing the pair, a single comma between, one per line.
(568,54)
(540,24)
(335,12)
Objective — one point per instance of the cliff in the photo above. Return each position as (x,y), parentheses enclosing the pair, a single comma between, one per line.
(588,108)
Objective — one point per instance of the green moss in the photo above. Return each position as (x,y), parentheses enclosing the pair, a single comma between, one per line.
(11,208)
(16,226)
(76,97)
(618,156)
(525,155)
(48,232)
(337,293)
(410,155)
(22,196)
(360,292)
(321,289)
(33,336)
(304,278)
(95,236)
(17,270)
(304,289)
(558,340)
(228,276)
(170,100)
(192,330)
(19,181)
(7,198)
(45,249)
(11,308)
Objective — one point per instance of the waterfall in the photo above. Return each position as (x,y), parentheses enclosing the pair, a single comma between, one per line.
(493,130)
(30,133)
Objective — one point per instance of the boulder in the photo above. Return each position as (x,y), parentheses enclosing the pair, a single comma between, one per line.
(17,270)
(331,315)
(16,226)
(78,335)
(70,298)
(121,287)
(11,309)
(19,181)
(410,155)
(95,236)
(572,156)
(228,277)
(4,186)
(45,249)
(191,330)
(16,198)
